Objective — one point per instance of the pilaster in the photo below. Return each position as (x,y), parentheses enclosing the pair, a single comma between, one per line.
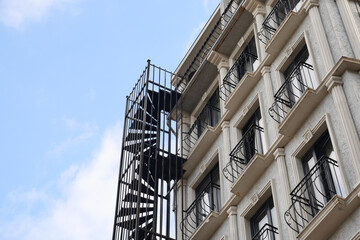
(259,14)
(350,25)
(334,86)
(223,67)
(312,7)
(232,215)
(225,126)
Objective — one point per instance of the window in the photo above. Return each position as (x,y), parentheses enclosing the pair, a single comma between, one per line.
(208,195)
(263,223)
(253,134)
(325,181)
(248,59)
(298,76)
(210,115)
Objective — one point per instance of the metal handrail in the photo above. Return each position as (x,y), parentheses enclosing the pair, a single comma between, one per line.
(198,128)
(300,79)
(243,153)
(313,192)
(200,208)
(210,41)
(265,232)
(233,77)
(274,19)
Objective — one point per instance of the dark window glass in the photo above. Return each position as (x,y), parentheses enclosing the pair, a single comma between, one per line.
(210,115)
(252,133)
(208,195)
(248,59)
(263,223)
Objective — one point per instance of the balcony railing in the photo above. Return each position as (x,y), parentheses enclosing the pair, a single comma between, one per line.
(209,116)
(313,192)
(245,63)
(207,46)
(267,232)
(300,79)
(204,204)
(276,17)
(241,155)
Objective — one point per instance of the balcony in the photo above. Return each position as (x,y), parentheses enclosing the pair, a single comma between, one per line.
(209,116)
(244,151)
(267,232)
(274,19)
(245,63)
(313,192)
(300,79)
(202,54)
(204,204)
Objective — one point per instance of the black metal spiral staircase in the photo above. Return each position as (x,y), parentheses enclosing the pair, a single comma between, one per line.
(150,165)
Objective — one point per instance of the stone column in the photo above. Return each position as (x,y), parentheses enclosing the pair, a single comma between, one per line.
(184,127)
(232,215)
(334,86)
(350,25)
(259,14)
(269,92)
(284,186)
(225,126)
(312,6)
(223,68)
(181,205)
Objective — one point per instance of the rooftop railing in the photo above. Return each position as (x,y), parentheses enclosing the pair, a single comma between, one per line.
(267,232)
(313,192)
(300,79)
(204,204)
(209,42)
(243,152)
(244,63)
(275,18)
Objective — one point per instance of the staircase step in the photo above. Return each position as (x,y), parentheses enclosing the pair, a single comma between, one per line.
(133,198)
(131,211)
(130,224)
(135,147)
(133,136)
(144,189)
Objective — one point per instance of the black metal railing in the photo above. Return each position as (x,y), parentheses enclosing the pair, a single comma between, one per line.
(267,232)
(209,116)
(357,5)
(300,79)
(275,18)
(313,192)
(244,63)
(243,152)
(204,204)
(207,46)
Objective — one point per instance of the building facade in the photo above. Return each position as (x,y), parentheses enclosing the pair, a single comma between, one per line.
(265,121)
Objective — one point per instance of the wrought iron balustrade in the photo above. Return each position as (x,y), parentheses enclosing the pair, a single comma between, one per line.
(243,64)
(243,152)
(274,19)
(209,42)
(267,232)
(209,116)
(204,204)
(300,79)
(313,192)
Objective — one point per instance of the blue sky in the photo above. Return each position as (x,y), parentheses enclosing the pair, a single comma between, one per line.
(65,69)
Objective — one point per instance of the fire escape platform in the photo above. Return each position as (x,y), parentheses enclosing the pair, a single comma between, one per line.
(326,222)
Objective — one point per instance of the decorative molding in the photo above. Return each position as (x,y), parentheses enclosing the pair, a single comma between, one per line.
(181,184)
(225,124)
(215,57)
(259,10)
(332,82)
(279,152)
(265,70)
(224,63)
(307,136)
(310,4)
(240,42)
(232,211)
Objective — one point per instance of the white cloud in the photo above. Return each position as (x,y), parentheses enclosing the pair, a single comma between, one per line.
(195,32)
(85,209)
(84,130)
(16,13)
